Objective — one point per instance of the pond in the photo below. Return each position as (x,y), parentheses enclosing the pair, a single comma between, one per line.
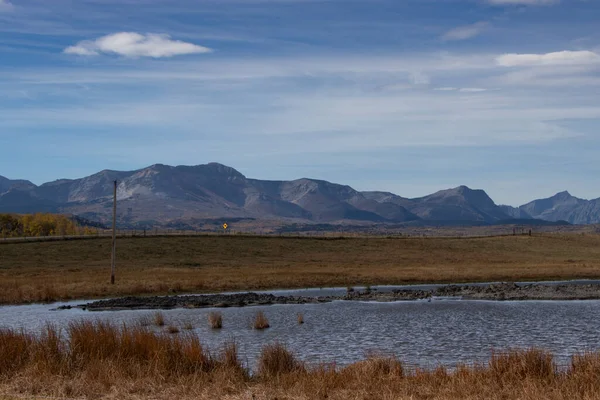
(420,333)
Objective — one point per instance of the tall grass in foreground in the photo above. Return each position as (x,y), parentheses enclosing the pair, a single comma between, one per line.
(97,359)
(275,360)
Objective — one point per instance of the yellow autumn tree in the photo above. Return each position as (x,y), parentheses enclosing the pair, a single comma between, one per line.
(39,224)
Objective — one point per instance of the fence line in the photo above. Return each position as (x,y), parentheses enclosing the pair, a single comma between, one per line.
(142,233)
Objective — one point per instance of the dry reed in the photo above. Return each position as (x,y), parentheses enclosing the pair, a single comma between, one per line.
(97,359)
(261,321)
(172,329)
(276,360)
(215,320)
(159,319)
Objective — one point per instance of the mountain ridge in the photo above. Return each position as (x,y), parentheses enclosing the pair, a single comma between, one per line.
(159,194)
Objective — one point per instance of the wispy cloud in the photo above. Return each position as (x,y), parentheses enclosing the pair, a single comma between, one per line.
(466,31)
(581,76)
(132,44)
(557,58)
(524,2)
(472,90)
(268,103)
(463,90)
(419,78)
(5,5)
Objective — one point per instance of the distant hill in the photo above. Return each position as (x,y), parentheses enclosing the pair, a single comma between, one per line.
(460,204)
(7,184)
(560,207)
(161,194)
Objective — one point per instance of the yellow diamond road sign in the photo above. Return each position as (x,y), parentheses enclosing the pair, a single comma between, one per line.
(225,226)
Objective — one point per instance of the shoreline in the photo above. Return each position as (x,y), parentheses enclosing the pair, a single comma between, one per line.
(495,291)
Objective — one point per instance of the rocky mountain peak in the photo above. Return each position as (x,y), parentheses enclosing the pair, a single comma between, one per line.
(160,194)
(564,195)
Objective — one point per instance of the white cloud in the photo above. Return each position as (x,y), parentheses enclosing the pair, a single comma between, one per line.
(472,90)
(554,75)
(419,78)
(464,90)
(557,58)
(132,44)
(524,2)
(465,32)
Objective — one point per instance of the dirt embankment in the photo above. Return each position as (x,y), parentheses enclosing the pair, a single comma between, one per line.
(511,291)
(500,291)
(191,301)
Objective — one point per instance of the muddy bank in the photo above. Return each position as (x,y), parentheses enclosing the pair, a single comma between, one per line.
(511,291)
(200,301)
(500,291)
(497,291)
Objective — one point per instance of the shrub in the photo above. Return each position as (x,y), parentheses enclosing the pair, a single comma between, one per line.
(159,319)
(276,360)
(172,329)
(261,321)
(215,320)
(517,364)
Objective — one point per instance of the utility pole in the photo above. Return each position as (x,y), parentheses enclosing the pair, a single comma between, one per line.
(114,236)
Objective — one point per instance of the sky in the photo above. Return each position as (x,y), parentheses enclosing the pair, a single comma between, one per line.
(407,96)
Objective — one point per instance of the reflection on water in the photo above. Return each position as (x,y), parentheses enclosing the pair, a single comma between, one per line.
(420,333)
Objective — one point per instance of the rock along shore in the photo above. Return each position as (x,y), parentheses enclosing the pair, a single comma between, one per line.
(500,291)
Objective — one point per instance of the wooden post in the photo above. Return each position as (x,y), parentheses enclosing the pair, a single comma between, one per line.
(114,236)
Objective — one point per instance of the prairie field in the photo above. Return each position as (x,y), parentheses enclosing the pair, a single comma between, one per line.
(76,269)
(103,361)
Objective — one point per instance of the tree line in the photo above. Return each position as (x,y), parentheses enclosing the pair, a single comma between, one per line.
(40,224)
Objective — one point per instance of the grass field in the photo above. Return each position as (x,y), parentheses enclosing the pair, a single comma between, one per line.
(102,361)
(47,271)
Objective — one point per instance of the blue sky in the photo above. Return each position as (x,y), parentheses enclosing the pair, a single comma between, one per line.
(407,96)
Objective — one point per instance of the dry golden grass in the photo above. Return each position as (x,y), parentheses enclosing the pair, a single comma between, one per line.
(160,265)
(276,360)
(172,329)
(260,321)
(215,320)
(99,360)
(158,319)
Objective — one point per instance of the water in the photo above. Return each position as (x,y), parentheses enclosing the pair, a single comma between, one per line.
(420,333)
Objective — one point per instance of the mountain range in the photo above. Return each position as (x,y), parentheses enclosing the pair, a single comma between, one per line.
(160,194)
